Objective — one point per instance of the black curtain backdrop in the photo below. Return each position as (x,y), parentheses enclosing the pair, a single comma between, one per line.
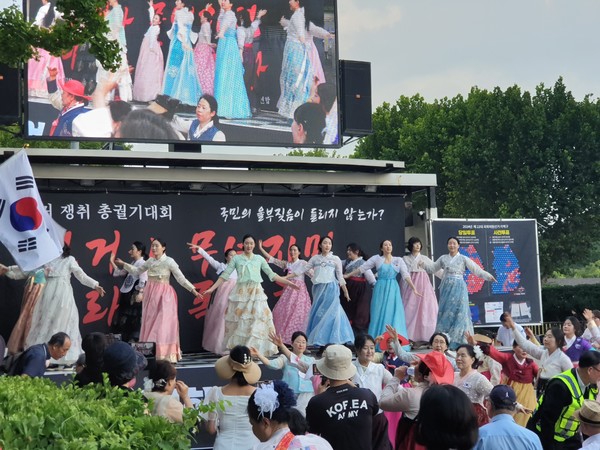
(101,224)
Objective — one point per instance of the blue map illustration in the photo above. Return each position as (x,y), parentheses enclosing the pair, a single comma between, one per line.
(506,270)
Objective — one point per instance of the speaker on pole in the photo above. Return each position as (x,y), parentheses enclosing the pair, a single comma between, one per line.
(10,92)
(356,109)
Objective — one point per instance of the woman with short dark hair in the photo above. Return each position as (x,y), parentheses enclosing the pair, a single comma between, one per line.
(159,388)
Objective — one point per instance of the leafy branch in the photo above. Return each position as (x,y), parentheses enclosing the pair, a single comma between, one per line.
(82,22)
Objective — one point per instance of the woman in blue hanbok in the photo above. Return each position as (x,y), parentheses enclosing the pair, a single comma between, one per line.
(386,301)
(327,321)
(181,77)
(297,73)
(230,90)
(454,315)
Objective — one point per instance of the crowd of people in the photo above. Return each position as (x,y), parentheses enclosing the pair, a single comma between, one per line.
(382,397)
(211,68)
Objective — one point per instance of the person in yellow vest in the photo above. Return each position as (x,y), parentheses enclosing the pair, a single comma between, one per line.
(554,419)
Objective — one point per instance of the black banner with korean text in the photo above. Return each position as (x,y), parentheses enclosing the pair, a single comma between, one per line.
(101,224)
(508,249)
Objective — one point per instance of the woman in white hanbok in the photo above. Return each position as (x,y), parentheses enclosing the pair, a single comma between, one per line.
(57,310)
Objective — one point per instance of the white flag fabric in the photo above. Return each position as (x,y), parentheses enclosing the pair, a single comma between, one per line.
(31,236)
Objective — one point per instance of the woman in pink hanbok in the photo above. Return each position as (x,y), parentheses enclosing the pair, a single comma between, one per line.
(291,311)
(37,70)
(149,72)
(421,312)
(204,55)
(160,323)
(214,322)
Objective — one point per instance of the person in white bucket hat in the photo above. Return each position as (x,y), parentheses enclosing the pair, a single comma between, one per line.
(343,413)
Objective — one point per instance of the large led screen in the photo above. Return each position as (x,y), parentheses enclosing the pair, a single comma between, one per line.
(251,72)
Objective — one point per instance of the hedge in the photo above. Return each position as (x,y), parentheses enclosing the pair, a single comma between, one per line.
(559,301)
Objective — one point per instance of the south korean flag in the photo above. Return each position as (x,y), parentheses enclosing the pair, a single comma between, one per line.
(26,229)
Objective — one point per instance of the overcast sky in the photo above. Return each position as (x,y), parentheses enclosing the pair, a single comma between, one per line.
(443,48)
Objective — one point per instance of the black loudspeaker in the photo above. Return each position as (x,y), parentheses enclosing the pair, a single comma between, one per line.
(10,93)
(356,109)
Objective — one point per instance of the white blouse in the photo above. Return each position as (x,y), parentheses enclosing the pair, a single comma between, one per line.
(218,266)
(327,269)
(160,270)
(551,364)
(377,261)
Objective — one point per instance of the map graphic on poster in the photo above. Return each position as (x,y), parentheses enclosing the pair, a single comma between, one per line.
(508,250)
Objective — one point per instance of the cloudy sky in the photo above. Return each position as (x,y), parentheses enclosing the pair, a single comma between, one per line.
(443,48)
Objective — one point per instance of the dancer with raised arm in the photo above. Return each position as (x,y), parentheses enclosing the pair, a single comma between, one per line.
(454,315)
(214,321)
(248,320)
(128,317)
(160,323)
(386,302)
(291,311)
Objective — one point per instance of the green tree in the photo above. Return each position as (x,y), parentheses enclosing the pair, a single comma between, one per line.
(507,154)
(82,22)
(10,137)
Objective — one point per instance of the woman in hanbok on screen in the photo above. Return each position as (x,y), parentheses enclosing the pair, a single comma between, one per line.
(245,36)
(230,90)
(454,315)
(297,73)
(37,69)
(122,76)
(421,312)
(149,72)
(204,55)
(181,78)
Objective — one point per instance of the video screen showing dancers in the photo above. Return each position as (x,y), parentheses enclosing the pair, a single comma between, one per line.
(243,72)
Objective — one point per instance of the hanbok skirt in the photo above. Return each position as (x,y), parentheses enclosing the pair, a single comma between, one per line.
(526,397)
(380,439)
(405,435)
(296,78)
(454,315)
(214,322)
(358,308)
(291,311)
(181,78)
(204,57)
(149,72)
(127,320)
(315,61)
(37,72)
(18,336)
(248,320)
(327,322)
(159,320)
(386,303)
(230,90)
(56,311)
(420,312)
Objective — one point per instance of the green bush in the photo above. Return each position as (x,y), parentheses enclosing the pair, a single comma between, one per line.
(37,414)
(559,301)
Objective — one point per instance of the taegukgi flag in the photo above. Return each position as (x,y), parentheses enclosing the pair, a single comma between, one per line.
(26,229)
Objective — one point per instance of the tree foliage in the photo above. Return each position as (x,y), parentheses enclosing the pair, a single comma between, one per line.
(10,137)
(505,154)
(82,22)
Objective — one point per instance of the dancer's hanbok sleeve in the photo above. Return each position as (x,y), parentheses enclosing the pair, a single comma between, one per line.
(218,266)
(178,274)
(478,271)
(534,350)
(15,273)
(371,263)
(317,31)
(400,267)
(339,273)
(264,266)
(81,275)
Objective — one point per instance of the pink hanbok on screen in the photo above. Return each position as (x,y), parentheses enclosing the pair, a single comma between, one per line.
(149,72)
